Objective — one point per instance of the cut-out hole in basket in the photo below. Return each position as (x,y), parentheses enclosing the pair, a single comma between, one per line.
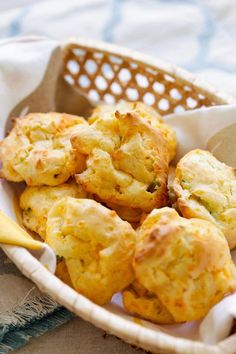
(151,71)
(93,95)
(133,65)
(108,98)
(174,93)
(78,52)
(69,79)
(179,109)
(90,66)
(158,87)
(115,60)
(187,88)
(191,102)
(84,81)
(142,81)
(124,75)
(115,88)
(149,99)
(73,66)
(100,82)
(169,78)
(201,96)
(132,94)
(163,104)
(107,71)
(98,55)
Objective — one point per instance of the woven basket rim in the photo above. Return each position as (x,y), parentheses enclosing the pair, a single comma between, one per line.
(166,67)
(101,317)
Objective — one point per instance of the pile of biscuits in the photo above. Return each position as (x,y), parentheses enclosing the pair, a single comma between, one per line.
(100,193)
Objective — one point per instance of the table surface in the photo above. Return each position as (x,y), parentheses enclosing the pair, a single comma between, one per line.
(77,337)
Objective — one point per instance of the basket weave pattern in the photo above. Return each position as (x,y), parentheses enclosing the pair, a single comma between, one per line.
(110,78)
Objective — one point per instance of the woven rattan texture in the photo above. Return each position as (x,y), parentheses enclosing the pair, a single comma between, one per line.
(111,78)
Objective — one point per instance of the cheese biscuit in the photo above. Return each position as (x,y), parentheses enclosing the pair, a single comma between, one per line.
(38,149)
(36,202)
(186,263)
(127,161)
(205,188)
(97,246)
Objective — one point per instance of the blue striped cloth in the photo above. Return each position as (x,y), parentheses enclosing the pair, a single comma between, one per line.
(30,314)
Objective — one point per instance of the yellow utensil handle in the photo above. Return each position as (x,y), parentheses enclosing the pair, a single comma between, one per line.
(12,234)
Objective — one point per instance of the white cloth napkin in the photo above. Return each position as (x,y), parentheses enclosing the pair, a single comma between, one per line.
(211,128)
(24,64)
(214,129)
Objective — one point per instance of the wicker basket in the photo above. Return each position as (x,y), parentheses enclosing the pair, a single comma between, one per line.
(110,73)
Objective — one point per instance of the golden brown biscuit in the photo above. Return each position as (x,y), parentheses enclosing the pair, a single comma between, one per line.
(62,272)
(139,301)
(36,202)
(127,161)
(97,246)
(105,111)
(170,185)
(186,263)
(143,111)
(38,149)
(128,214)
(206,189)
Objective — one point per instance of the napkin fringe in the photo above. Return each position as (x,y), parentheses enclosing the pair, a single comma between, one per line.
(4,348)
(16,338)
(32,307)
